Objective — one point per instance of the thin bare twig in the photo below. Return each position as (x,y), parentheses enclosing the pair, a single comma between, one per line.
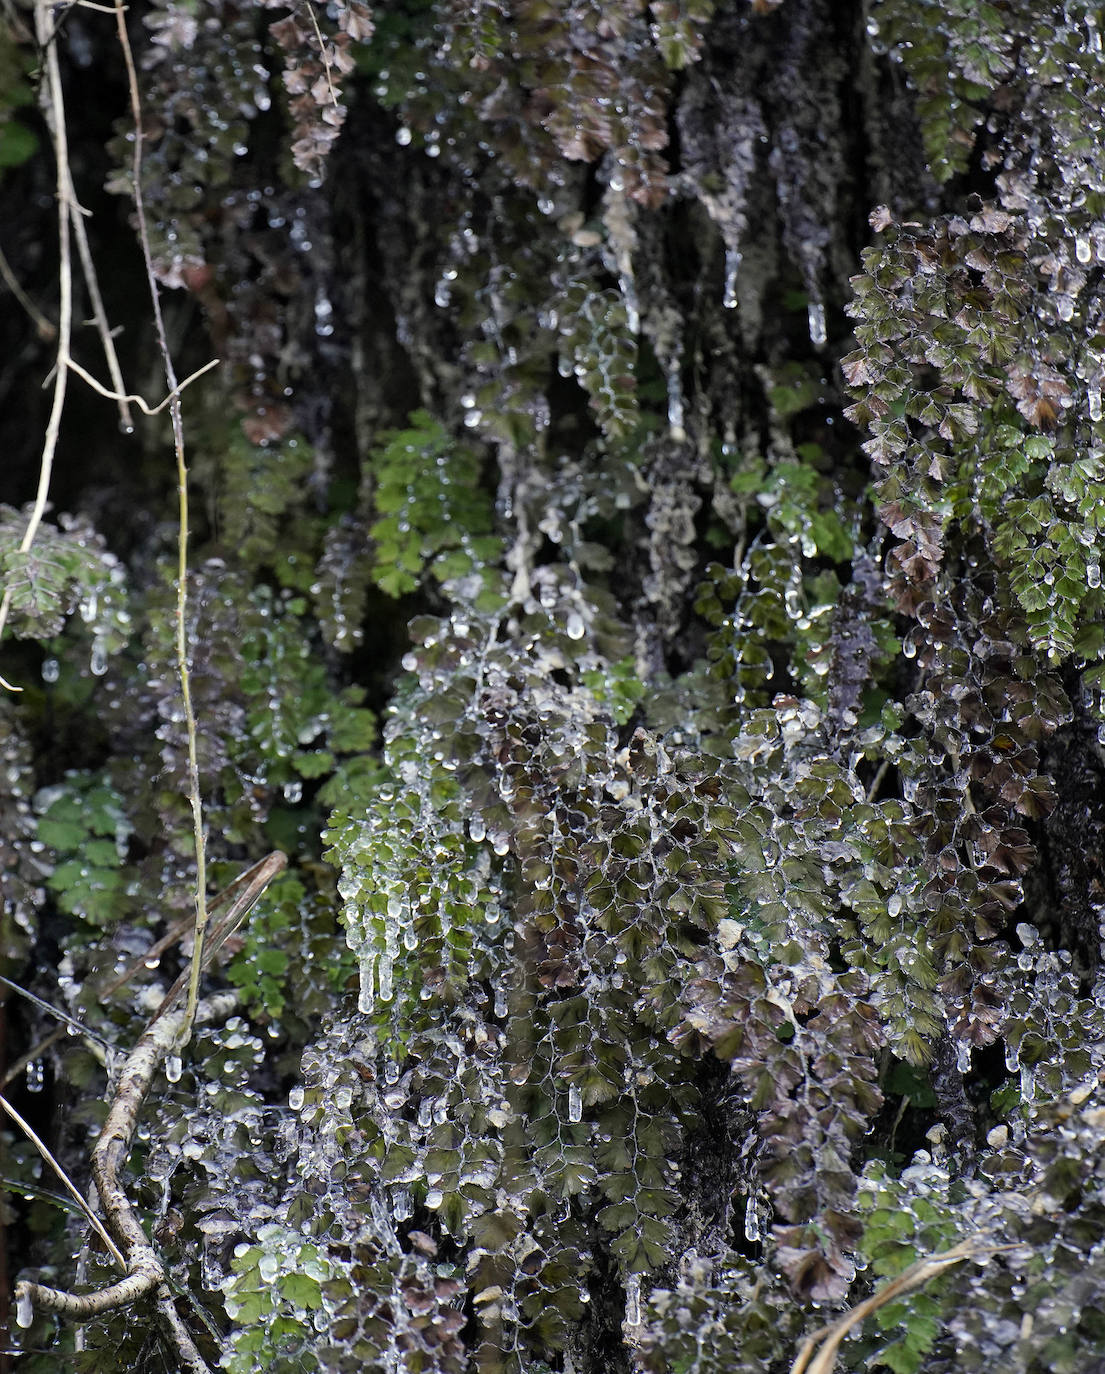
(322,52)
(76,1026)
(138,401)
(182,535)
(99,314)
(55,117)
(144,1269)
(818,1353)
(254,880)
(43,1149)
(46,329)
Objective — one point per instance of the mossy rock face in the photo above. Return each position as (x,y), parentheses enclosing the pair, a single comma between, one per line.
(682,714)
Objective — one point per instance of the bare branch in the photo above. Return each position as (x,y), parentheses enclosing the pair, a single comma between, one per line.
(138,401)
(41,1146)
(194,796)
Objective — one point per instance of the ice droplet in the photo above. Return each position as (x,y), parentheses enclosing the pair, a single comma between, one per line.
(752,1230)
(818,331)
(575,1103)
(675,405)
(1094,398)
(51,669)
(962,1056)
(633,1300)
(1082,249)
(1093,574)
(386,978)
(366,1001)
(97,663)
(24,1309)
(174,1067)
(732,267)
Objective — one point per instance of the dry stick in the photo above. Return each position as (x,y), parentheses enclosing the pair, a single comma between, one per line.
(44,1150)
(823,1345)
(145,1271)
(255,879)
(44,326)
(99,314)
(55,117)
(182,537)
(124,397)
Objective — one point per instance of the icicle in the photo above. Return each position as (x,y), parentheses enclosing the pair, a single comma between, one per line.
(732,267)
(752,1230)
(386,976)
(818,333)
(575,1103)
(675,405)
(633,1300)
(366,999)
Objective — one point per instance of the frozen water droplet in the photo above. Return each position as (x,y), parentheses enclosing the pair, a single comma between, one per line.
(732,267)
(174,1067)
(403,136)
(818,332)
(633,1300)
(675,405)
(97,663)
(50,670)
(293,791)
(1082,249)
(1093,575)
(24,1310)
(575,1103)
(575,626)
(386,972)
(366,1001)
(752,1230)
(962,1056)
(434,1198)
(35,1076)
(1094,398)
